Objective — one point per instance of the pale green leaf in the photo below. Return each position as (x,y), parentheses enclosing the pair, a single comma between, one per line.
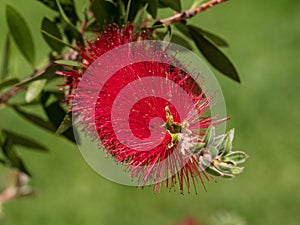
(34,90)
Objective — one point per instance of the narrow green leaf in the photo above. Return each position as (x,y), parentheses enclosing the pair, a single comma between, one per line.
(5,58)
(7,83)
(225,169)
(34,90)
(134,7)
(51,28)
(105,12)
(169,34)
(129,3)
(209,136)
(65,125)
(50,3)
(14,159)
(173,4)
(56,114)
(218,140)
(181,41)
(67,5)
(204,162)
(216,57)
(237,156)
(34,119)
(213,37)
(227,143)
(183,29)
(18,139)
(213,171)
(58,40)
(138,20)
(213,152)
(217,40)
(69,63)
(237,170)
(73,27)
(20,33)
(152,7)
(48,73)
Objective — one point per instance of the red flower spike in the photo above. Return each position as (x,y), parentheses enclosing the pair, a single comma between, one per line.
(148,115)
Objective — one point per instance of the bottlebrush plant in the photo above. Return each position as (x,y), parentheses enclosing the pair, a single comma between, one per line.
(75,45)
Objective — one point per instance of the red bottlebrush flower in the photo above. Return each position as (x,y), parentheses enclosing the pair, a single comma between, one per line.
(144,109)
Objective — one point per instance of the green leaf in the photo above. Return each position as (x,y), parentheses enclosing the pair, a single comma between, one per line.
(138,20)
(183,29)
(204,162)
(105,12)
(47,73)
(173,4)
(18,139)
(237,170)
(213,152)
(197,147)
(34,90)
(227,142)
(213,171)
(218,140)
(181,41)
(9,82)
(6,58)
(69,63)
(56,114)
(50,3)
(168,35)
(67,5)
(237,157)
(34,119)
(213,37)
(216,57)
(65,125)
(20,33)
(209,136)
(50,36)
(217,40)
(14,159)
(225,169)
(74,30)
(51,28)
(152,8)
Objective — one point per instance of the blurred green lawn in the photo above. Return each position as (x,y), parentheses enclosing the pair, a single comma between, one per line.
(264,38)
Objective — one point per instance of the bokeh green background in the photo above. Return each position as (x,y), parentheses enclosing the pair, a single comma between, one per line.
(264,39)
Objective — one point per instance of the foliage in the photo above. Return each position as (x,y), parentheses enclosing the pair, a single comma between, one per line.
(64,33)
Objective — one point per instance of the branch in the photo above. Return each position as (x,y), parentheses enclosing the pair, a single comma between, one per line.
(190,13)
(5,97)
(16,89)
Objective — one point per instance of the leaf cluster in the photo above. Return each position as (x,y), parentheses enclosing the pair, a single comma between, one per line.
(65,33)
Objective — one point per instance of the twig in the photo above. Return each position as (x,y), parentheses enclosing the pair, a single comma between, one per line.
(16,89)
(10,93)
(178,17)
(71,54)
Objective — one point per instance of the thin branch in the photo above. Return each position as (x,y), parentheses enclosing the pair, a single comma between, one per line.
(16,89)
(190,13)
(9,94)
